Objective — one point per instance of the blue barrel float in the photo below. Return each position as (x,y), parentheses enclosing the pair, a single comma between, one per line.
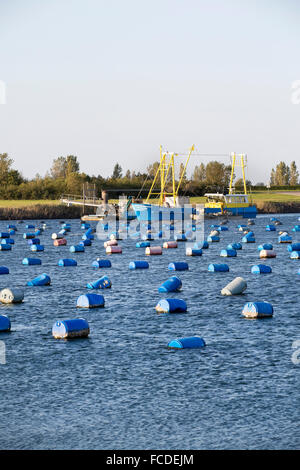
(37,232)
(138,265)
(248,238)
(295,255)
(76,248)
(85,226)
(86,242)
(270,228)
(228,253)
(31,261)
(101,263)
(67,262)
(171,306)
(143,244)
(5,246)
(8,241)
(265,246)
(221,228)
(201,245)
(173,284)
(213,238)
(294,247)
(76,328)
(27,235)
(4,270)
(178,266)
(258,310)
(285,239)
(87,237)
(235,246)
(4,323)
(191,342)
(193,251)
(29,226)
(90,301)
(42,280)
(220,268)
(33,241)
(13,227)
(66,227)
(103,283)
(261,269)
(37,247)
(296,228)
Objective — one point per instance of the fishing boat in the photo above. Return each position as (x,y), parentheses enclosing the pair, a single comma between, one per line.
(231,203)
(170,206)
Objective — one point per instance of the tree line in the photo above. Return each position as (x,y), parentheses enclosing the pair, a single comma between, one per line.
(65,177)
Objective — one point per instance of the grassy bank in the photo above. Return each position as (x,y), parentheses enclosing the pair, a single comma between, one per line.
(267,202)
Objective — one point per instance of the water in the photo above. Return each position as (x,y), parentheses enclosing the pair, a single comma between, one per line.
(122,388)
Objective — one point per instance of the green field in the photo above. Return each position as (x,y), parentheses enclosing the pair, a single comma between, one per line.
(27,203)
(262,196)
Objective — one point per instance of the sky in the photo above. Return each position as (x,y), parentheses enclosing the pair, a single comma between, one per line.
(111,81)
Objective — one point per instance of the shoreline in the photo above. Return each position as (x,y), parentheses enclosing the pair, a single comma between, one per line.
(58,211)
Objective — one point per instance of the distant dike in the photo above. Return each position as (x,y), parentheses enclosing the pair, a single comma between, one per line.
(43,211)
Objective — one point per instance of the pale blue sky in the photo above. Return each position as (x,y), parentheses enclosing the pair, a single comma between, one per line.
(109,81)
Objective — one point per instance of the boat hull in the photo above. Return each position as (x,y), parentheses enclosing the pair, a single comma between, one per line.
(155,213)
(246,212)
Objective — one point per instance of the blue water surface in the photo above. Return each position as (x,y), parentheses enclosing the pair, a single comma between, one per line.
(122,388)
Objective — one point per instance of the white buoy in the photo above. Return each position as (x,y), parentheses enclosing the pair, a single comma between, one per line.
(11,296)
(235,287)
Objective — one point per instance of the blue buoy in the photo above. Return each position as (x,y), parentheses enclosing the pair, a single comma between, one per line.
(86,242)
(261,269)
(8,241)
(270,228)
(193,251)
(138,265)
(87,237)
(29,235)
(171,306)
(31,261)
(4,235)
(248,240)
(295,255)
(5,247)
(265,246)
(257,310)
(4,323)
(33,241)
(85,226)
(221,268)
(221,228)
(90,301)
(201,245)
(143,244)
(101,263)
(67,262)
(4,270)
(103,283)
(76,248)
(296,228)
(178,266)
(29,226)
(173,284)
(76,328)
(37,233)
(42,280)
(13,227)
(66,227)
(235,246)
(294,247)
(191,342)
(285,239)
(37,247)
(213,238)
(228,253)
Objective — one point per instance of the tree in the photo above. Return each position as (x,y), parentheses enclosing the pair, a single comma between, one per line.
(5,166)
(14,177)
(294,175)
(239,184)
(152,169)
(216,174)
(199,173)
(128,175)
(72,164)
(272,177)
(282,174)
(58,169)
(117,173)
(182,174)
